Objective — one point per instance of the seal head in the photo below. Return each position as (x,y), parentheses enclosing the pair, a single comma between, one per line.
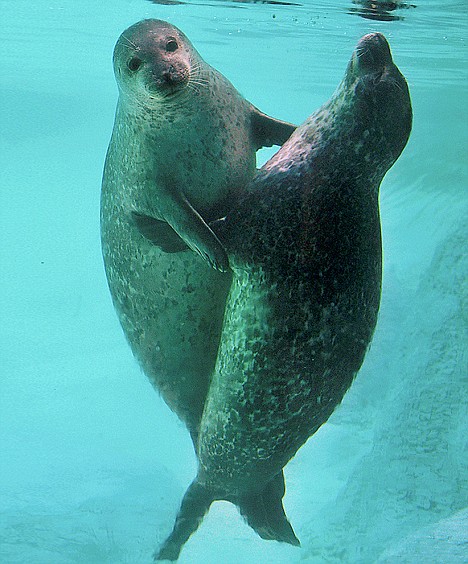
(152,61)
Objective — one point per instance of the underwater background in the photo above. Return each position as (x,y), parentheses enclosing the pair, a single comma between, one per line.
(93,465)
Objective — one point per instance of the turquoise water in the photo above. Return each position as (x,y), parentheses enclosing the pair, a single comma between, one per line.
(93,464)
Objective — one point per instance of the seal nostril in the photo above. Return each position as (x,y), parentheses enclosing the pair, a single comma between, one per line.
(168,77)
(134,64)
(173,77)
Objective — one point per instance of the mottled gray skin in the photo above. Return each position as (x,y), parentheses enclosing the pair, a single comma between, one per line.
(305,247)
(304,242)
(183,143)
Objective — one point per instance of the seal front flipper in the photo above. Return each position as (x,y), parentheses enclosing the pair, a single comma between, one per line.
(268,131)
(174,208)
(159,233)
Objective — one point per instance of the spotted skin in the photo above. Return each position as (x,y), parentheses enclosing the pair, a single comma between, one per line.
(304,244)
(183,144)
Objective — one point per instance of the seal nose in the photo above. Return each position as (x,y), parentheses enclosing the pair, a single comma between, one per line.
(173,77)
(373,52)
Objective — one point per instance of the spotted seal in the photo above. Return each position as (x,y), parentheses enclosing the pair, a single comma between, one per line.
(304,242)
(183,143)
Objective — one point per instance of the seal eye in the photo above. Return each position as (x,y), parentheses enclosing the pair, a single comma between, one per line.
(134,64)
(172,45)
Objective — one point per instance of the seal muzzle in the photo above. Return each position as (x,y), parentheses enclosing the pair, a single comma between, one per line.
(373,53)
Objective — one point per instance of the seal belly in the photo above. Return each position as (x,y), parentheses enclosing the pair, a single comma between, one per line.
(288,354)
(170,308)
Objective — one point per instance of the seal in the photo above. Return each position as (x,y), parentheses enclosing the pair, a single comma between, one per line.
(196,127)
(304,243)
(183,144)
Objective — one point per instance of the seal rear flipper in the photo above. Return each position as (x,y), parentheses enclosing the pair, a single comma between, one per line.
(268,131)
(195,504)
(264,512)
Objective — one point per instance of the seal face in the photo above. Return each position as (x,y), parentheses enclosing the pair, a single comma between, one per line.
(183,144)
(304,243)
(152,62)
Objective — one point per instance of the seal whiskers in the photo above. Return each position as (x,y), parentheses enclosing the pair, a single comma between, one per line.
(130,43)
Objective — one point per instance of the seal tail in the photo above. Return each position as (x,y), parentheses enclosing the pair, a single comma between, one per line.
(265,513)
(195,504)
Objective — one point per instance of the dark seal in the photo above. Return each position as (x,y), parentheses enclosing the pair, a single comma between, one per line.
(183,145)
(304,243)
